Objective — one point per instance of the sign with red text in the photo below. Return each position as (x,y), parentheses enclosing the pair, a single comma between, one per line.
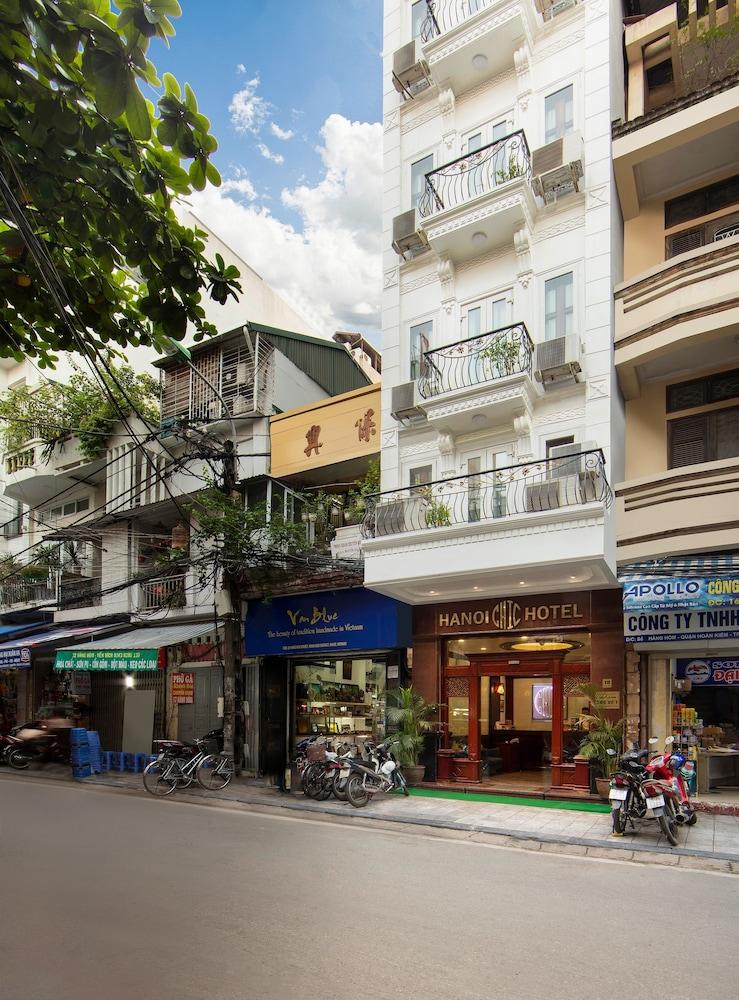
(183,688)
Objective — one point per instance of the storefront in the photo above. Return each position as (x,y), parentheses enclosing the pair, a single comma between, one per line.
(326,661)
(685,630)
(506,674)
(149,683)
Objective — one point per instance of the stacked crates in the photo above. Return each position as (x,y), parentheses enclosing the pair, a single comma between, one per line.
(96,756)
(79,753)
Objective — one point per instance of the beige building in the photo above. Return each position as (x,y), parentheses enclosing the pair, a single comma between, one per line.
(676,168)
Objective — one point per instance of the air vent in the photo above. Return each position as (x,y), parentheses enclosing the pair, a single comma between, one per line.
(689,239)
(557,360)
(409,239)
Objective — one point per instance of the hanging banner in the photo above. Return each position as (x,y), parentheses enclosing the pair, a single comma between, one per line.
(719,672)
(106,659)
(680,593)
(659,626)
(15,656)
(183,688)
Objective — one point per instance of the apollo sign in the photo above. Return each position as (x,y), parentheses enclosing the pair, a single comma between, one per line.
(680,593)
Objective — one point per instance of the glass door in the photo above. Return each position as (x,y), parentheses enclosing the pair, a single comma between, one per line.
(487,483)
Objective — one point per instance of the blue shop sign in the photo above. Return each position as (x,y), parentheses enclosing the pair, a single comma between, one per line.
(15,656)
(332,621)
(680,593)
(718,672)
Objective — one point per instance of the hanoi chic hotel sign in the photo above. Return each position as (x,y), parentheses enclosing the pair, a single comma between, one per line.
(506,614)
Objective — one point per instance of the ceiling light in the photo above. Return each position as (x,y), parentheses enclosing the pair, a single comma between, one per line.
(522,583)
(484,649)
(500,688)
(128,680)
(479,419)
(479,61)
(573,578)
(432,592)
(479,238)
(475,588)
(547,644)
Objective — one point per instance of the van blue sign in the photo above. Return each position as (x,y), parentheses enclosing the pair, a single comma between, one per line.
(718,672)
(680,593)
(326,622)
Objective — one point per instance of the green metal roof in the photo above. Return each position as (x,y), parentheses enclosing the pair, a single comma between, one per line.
(329,364)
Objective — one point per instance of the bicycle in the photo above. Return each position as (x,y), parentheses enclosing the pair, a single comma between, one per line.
(179,763)
(215,771)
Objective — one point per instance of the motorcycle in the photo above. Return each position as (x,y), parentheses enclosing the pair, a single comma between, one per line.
(381,773)
(674,767)
(626,793)
(7,742)
(40,749)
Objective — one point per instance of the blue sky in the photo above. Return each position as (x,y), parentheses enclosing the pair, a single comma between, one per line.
(313,70)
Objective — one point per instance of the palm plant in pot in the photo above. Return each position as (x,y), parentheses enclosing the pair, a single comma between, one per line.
(603,735)
(412,717)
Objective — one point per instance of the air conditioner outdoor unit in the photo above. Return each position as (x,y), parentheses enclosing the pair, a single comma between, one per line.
(557,360)
(557,167)
(578,472)
(551,8)
(410,70)
(543,496)
(403,405)
(409,239)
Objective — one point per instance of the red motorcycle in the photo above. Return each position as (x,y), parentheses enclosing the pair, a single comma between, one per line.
(673,766)
(664,795)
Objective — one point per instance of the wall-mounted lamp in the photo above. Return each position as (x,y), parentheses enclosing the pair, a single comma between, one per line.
(128,680)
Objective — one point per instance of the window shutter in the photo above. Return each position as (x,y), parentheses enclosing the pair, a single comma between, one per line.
(688,441)
(690,239)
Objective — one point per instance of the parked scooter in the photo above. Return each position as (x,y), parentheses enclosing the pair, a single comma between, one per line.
(39,749)
(674,767)
(381,773)
(7,742)
(626,793)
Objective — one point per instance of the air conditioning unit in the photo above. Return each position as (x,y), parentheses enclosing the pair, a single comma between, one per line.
(542,496)
(409,239)
(410,70)
(557,360)
(403,405)
(551,8)
(557,167)
(579,474)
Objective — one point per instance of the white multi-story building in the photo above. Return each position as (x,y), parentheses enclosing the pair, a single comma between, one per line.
(501,417)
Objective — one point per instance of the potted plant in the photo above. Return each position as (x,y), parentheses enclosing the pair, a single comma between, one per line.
(356,500)
(413,716)
(602,736)
(501,357)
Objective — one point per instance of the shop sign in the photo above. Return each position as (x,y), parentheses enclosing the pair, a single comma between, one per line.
(183,688)
(718,672)
(608,699)
(106,659)
(328,621)
(15,656)
(81,683)
(681,593)
(661,626)
(507,614)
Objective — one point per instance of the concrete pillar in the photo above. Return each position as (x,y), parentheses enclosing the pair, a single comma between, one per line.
(660,698)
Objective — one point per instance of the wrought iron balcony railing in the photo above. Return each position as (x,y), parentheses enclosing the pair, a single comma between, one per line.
(475,174)
(475,361)
(443,15)
(546,485)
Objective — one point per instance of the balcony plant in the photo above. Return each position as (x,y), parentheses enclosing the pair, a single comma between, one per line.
(501,357)
(602,735)
(356,501)
(514,169)
(412,717)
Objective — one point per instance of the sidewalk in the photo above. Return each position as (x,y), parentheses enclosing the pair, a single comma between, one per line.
(569,828)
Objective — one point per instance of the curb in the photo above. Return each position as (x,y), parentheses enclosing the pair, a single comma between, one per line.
(716,861)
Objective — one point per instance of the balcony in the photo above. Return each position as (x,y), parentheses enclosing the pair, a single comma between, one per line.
(467,41)
(15,591)
(690,509)
(530,527)
(164,593)
(490,374)
(36,472)
(478,201)
(79,592)
(679,316)
(682,113)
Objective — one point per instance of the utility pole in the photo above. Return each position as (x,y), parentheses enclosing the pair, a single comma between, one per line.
(231,599)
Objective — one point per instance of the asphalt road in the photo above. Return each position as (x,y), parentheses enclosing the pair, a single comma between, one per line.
(112,896)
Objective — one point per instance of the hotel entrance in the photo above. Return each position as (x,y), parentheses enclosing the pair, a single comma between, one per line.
(506,675)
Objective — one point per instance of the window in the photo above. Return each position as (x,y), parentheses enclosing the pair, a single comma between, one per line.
(418,15)
(705,437)
(420,343)
(558,442)
(484,316)
(700,391)
(558,112)
(558,308)
(702,202)
(14,525)
(421,475)
(419,169)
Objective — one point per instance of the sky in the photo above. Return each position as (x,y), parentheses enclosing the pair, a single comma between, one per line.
(293,90)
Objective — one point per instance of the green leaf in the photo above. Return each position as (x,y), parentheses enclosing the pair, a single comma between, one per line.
(212,174)
(196,173)
(111,79)
(192,104)
(137,113)
(171,86)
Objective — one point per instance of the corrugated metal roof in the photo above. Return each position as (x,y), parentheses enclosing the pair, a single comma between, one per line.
(150,637)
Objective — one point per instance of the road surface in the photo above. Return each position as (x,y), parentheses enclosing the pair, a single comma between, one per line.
(112,896)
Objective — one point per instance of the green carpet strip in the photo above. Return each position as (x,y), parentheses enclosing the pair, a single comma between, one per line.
(511,800)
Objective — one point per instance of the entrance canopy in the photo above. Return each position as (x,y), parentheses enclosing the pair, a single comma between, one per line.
(137,649)
(18,652)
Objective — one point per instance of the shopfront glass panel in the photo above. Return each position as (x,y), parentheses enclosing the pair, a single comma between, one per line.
(343,697)
(458,713)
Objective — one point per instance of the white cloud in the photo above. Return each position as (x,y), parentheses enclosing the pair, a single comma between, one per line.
(240,68)
(281,133)
(330,268)
(240,184)
(269,155)
(248,109)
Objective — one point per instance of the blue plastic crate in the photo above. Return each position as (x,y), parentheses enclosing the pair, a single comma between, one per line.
(129,762)
(105,760)
(116,760)
(93,740)
(78,737)
(84,771)
(80,757)
(142,759)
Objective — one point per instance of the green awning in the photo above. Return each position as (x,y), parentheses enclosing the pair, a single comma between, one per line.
(137,649)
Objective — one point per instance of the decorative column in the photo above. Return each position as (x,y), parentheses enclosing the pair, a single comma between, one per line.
(448,326)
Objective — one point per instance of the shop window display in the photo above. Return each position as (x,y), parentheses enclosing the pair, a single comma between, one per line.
(342,697)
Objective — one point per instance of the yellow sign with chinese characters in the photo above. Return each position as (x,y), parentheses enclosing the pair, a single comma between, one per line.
(326,433)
